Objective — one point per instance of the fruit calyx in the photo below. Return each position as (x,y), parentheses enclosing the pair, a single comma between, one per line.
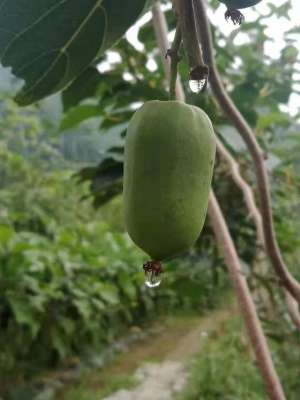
(235,15)
(152,270)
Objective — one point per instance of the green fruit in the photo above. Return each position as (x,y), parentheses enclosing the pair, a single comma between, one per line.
(238,4)
(169,157)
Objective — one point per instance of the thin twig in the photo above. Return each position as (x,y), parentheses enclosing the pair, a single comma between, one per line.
(245,188)
(174,56)
(293,309)
(243,294)
(161,32)
(185,15)
(225,102)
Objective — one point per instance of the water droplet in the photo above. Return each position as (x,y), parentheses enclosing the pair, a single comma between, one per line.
(197,85)
(152,279)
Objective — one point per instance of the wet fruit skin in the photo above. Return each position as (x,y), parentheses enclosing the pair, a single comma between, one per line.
(238,4)
(169,156)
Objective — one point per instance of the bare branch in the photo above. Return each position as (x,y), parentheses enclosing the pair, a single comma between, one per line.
(245,188)
(293,309)
(225,102)
(243,294)
(161,32)
(185,15)
(173,54)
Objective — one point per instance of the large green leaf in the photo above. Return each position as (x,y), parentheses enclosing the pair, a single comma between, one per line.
(48,43)
(84,86)
(105,179)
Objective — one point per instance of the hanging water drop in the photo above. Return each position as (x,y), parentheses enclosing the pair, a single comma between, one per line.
(153,271)
(152,279)
(196,86)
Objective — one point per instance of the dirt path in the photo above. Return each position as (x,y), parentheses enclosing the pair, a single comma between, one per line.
(162,380)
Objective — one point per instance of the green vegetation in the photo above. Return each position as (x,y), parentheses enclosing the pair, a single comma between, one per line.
(71,280)
(225,368)
(88,392)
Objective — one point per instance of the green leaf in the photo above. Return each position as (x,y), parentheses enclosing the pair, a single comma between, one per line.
(79,114)
(109,294)
(105,179)
(84,308)
(59,342)
(24,314)
(82,87)
(49,43)
(125,282)
(6,233)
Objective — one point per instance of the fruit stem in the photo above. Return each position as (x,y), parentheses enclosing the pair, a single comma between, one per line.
(186,18)
(161,32)
(175,58)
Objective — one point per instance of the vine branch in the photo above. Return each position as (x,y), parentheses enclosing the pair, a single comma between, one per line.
(245,188)
(185,15)
(174,56)
(161,33)
(228,107)
(293,309)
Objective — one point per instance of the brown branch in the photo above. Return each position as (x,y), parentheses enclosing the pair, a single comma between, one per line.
(228,107)
(293,309)
(161,33)
(226,245)
(185,15)
(245,188)
(173,54)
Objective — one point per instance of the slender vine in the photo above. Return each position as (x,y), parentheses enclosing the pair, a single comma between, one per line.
(185,12)
(173,53)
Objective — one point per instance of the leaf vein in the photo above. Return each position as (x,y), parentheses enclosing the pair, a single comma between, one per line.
(10,44)
(64,48)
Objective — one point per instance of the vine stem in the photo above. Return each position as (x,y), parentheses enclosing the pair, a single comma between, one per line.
(161,33)
(173,54)
(233,114)
(226,246)
(184,10)
(245,188)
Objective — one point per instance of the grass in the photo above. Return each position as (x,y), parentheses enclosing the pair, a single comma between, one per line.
(224,369)
(84,391)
